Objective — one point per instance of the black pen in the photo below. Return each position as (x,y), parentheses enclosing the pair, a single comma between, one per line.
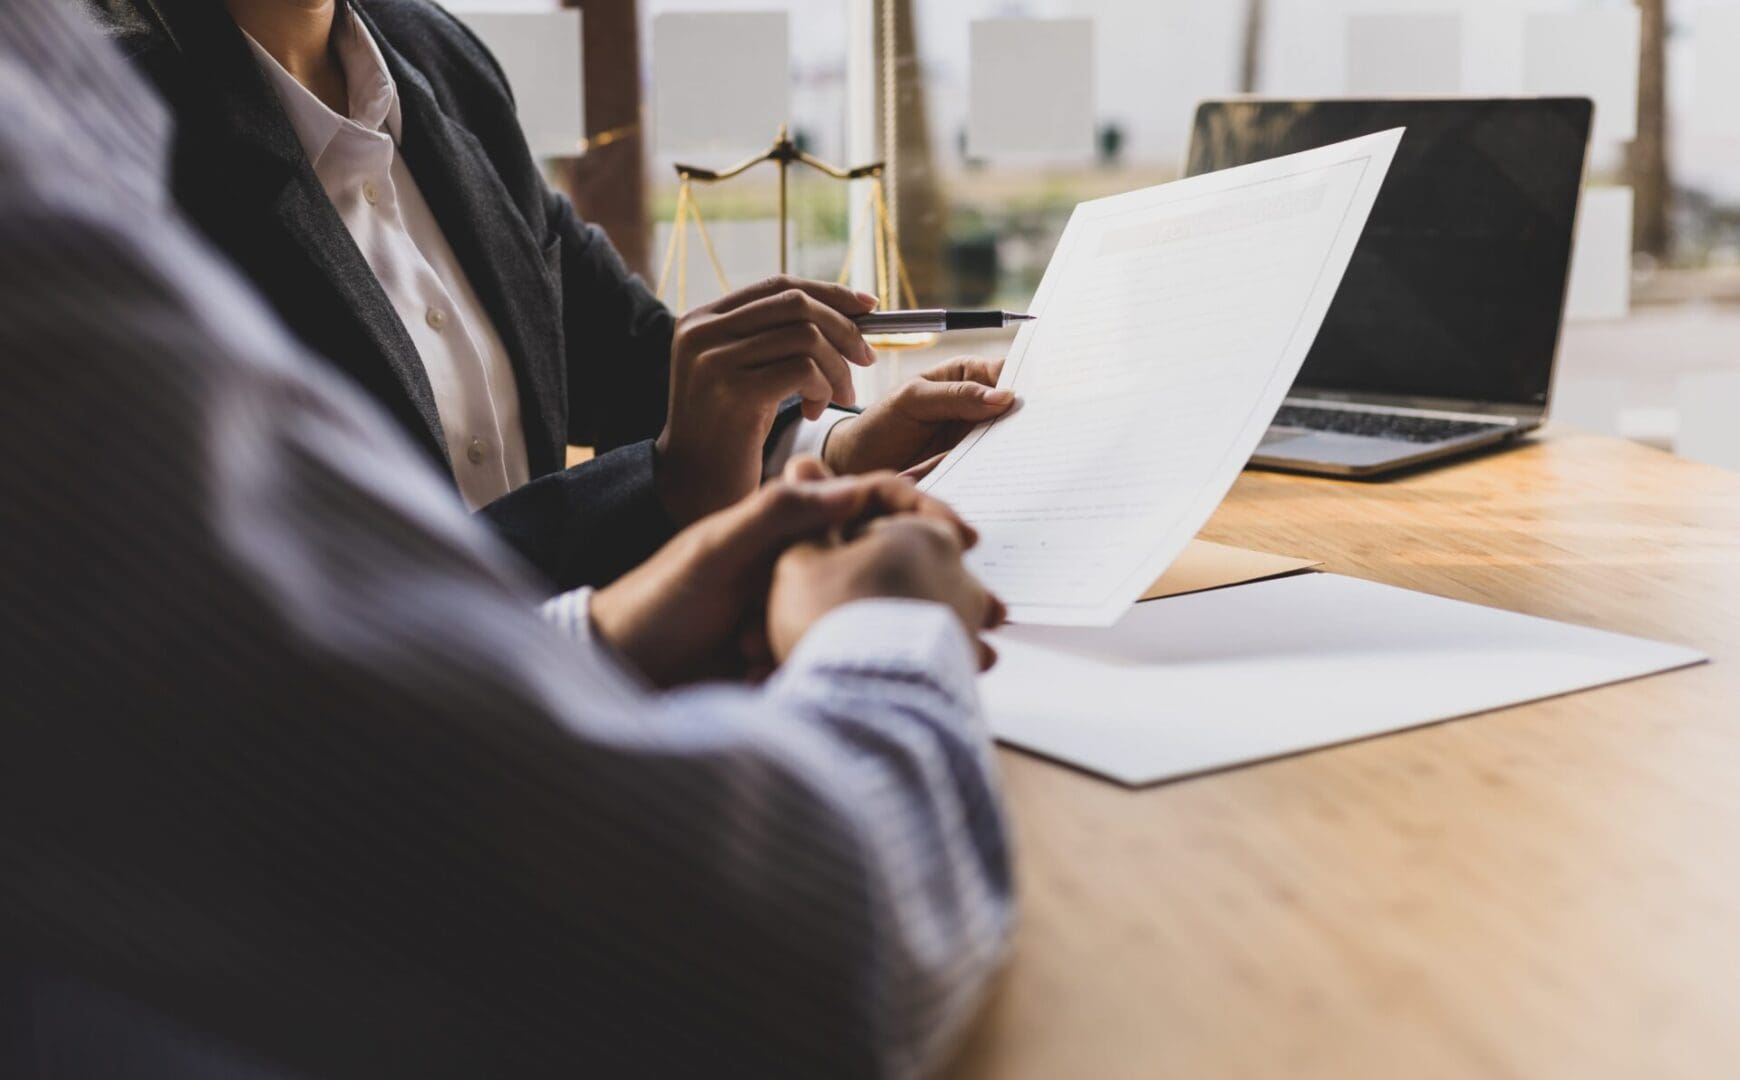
(935,321)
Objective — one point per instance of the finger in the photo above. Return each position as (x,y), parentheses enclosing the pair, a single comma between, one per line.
(778,346)
(996,611)
(798,375)
(806,468)
(773,383)
(934,532)
(937,510)
(833,502)
(987,655)
(889,495)
(941,402)
(859,500)
(924,468)
(784,512)
(841,299)
(791,307)
(989,608)
(979,369)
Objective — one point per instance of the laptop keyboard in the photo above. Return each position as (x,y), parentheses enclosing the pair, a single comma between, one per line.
(1415,429)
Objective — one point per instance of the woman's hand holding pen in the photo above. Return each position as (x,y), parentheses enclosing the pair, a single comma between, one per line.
(732,363)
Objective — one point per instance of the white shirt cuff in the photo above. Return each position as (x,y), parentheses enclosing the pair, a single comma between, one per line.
(872,641)
(891,641)
(803,437)
(571,615)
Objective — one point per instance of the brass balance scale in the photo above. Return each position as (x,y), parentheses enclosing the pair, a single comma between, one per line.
(892,283)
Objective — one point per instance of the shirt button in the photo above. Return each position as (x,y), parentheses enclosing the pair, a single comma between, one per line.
(476,451)
(435,317)
(371,193)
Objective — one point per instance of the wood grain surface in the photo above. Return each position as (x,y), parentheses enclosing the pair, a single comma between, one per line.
(1547,891)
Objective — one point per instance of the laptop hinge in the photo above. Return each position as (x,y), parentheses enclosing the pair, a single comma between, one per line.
(1496,419)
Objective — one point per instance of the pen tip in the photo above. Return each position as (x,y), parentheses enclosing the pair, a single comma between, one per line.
(1018,316)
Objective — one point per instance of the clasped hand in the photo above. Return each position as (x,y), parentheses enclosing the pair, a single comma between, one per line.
(733,594)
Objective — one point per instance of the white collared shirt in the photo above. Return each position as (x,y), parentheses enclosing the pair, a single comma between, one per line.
(357,161)
(356,158)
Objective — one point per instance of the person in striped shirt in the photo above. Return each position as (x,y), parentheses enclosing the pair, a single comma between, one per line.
(299,778)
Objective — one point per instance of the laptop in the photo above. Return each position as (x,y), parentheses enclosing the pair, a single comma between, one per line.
(1443,337)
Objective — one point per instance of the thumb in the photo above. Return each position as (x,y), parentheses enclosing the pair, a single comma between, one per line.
(924,468)
(977,369)
(806,468)
(788,510)
(939,402)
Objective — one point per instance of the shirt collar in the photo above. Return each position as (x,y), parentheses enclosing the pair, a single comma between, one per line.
(374,98)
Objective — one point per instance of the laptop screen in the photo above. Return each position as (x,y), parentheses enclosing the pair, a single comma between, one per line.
(1457,287)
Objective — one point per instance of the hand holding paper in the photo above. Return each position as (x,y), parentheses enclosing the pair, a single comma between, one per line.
(1171,323)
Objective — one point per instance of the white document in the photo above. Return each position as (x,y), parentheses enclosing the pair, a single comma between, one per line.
(1013,115)
(1394,54)
(539,51)
(721,83)
(1203,682)
(1171,323)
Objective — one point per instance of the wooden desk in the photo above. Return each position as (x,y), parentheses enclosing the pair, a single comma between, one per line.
(1550,891)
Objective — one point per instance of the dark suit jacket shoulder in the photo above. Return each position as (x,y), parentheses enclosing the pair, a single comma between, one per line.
(589,342)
